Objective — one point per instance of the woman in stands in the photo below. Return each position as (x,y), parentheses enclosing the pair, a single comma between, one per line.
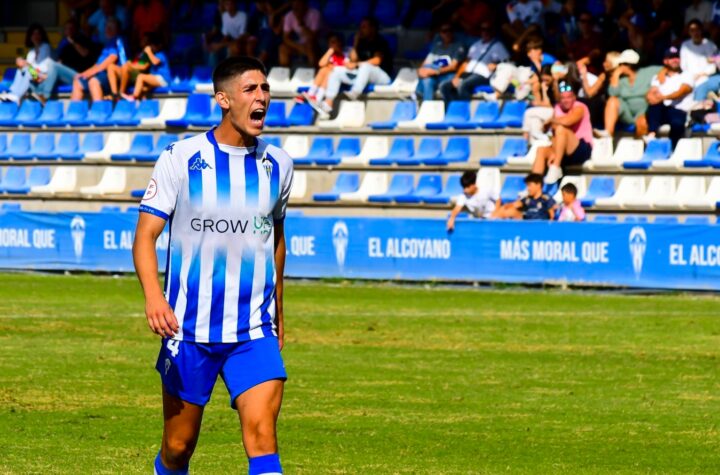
(334,56)
(543,100)
(32,70)
(148,71)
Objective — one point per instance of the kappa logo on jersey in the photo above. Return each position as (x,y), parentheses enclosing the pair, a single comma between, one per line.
(267,165)
(198,164)
(169,148)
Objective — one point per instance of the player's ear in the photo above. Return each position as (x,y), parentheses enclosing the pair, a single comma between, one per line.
(222,99)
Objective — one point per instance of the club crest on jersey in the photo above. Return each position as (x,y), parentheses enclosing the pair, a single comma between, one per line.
(198,164)
(267,165)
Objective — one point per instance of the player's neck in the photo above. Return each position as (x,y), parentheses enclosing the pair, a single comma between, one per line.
(226,134)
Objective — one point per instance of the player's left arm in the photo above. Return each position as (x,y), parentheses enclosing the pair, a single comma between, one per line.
(280,271)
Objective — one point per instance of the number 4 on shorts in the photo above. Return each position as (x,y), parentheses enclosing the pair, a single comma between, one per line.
(174,347)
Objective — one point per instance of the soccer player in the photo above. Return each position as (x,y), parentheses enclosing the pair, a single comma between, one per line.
(224,194)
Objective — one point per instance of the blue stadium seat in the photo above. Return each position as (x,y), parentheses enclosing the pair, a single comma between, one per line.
(214,118)
(43,148)
(198,108)
(68,147)
(92,143)
(19,145)
(400,185)
(402,148)
(147,109)
(132,209)
(11,207)
(28,111)
(38,176)
(275,116)
(387,13)
(98,115)
(486,112)
(347,147)
(711,158)
(346,183)
(658,149)
(76,112)
(110,209)
(404,110)
(321,148)
(429,185)
(511,187)
(698,220)
(510,116)
(458,112)
(138,193)
(666,220)
(163,141)
(356,11)
(635,219)
(142,144)
(301,115)
(334,9)
(52,112)
(453,187)
(3,144)
(7,79)
(457,150)
(8,110)
(272,140)
(511,147)
(600,187)
(605,218)
(14,178)
(430,148)
(123,113)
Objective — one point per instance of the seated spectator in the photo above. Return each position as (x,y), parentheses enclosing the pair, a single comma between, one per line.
(32,70)
(479,203)
(536,205)
(588,46)
(480,64)
(594,88)
(149,16)
(234,24)
(700,10)
(148,71)
(669,97)
(95,78)
(441,63)
(75,50)
(570,209)
(370,63)
(107,9)
(697,58)
(520,76)
(572,136)
(335,56)
(264,31)
(649,26)
(300,28)
(627,89)
(521,15)
(541,110)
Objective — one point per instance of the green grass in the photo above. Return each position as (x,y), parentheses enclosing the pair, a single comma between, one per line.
(383,379)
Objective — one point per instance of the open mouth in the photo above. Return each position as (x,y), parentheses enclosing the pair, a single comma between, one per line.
(257,117)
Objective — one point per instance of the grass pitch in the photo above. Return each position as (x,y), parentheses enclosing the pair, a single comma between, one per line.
(383,379)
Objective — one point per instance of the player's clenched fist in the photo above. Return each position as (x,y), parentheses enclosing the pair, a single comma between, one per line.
(161,318)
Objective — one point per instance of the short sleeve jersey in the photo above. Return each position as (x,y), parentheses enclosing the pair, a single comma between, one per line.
(537,208)
(481,204)
(222,204)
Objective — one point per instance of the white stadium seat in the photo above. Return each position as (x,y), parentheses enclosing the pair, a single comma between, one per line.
(374,147)
(350,116)
(405,82)
(628,150)
(172,109)
(629,188)
(602,152)
(659,189)
(64,180)
(303,77)
(112,182)
(706,201)
(686,149)
(117,142)
(279,80)
(488,178)
(430,111)
(689,189)
(374,183)
(297,146)
(528,159)
(299,186)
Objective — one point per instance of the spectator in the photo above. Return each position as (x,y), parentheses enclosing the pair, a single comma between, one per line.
(95,78)
(572,136)
(570,209)
(265,31)
(98,20)
(482,60)
(370,63)
(588,47)
(148,71)
(149,16)
(521,15)
(697,56)
(607,23)
(649,26)
(470,16)
(234,24)
(536,205)
(441,63)
(300,28)
(669,97)
(594,88)
(700,10)
(627,89)
(32,70)
(479,203)
(541,109)
(333,57)
(75,50)
(521,75)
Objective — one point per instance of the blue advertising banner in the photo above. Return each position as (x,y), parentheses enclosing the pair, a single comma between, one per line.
(671,256)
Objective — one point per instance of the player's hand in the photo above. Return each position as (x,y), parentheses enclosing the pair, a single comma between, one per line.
(161,318)
(450,225)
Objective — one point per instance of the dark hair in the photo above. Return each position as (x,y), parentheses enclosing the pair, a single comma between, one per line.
(546,70)
(468,179)
(534,42)
(336,34)
(233,67)
(31,29)
(373,22)
(534,178)
(697,23)
(154,38)
(569,188)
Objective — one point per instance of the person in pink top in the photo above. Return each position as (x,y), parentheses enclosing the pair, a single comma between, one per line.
(300,28)
(572,136)
(570,209)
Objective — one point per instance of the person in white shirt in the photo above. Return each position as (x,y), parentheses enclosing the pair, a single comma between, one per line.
(32,70)
(699,10)
(234,25)
(696,54)
(479,203)
(669,98)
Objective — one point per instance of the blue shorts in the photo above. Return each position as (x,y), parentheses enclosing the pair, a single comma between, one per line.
(102,77)
(189,370)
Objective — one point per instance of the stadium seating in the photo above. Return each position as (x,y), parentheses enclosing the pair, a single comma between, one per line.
(346,183)
(197,109)
(41,148)
(600,187)
(430,111)
(485,113)
(347,147)
(147,109)
(19,146)
(117,143)
(141,145)
(602,153)
(627,150)
(275,116)
(16,181)
(580,183)
(76,112)
(162,143)
(402,149)
(430,148)
(373,183)
(666,220)
(489,179)
(657,150)
(511,188)
(321,148)
(605,218)
(112,182)
(374,147)
(9,207)
(28,111)
(689,149)
(701,199)
(301,115)
(511,115)
(52,112)
(659,191)
(429,185)
(405,82)
(401,184)
(64,180)
(98,115)
(299,188)
(7,79)
(511,147)
(458,113)
(351,115)
(8,110)
(629,188)
(297,146)
(452,189)
(403,111)
(711,158)
(457,150)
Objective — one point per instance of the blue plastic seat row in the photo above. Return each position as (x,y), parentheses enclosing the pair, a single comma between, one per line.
(17,181)
(429,152)
(144,148)
(78,113)
(488,115)
(402,189)
(44,147)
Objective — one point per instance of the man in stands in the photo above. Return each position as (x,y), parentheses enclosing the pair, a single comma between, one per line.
(479,203)
(234,25)
(441,63)
(572,136)
(300,28)
(370,63)
(669,97)
(482,59)
(536,205)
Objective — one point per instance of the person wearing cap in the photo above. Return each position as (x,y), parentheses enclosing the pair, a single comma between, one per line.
(627,90)
(535,205)
(572,136)
(669,97)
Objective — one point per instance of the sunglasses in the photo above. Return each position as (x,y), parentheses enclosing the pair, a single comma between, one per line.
(565,87)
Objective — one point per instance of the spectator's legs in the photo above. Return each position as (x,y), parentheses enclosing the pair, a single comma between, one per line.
(641,125)
(368,73)
(507,211)
(469,84)
(45,88)
(426,87)
(320,84)
(96,91)
(114,72)
(564,143)
(124,77)
(65,74)
(544,154)
(338,77)
(20,84)
(677,119)
(701,90)
(448,91)
(612,112)
(77,90)
(145,81)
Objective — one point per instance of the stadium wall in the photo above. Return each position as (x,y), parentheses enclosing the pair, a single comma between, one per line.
(639,255)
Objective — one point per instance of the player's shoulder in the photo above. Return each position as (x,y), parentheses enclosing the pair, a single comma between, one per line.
(179,152)
(270,151)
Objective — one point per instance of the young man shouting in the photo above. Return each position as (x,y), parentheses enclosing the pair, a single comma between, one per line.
(224,193)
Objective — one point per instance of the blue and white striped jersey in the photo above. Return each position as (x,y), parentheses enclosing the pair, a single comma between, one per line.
(222,203)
